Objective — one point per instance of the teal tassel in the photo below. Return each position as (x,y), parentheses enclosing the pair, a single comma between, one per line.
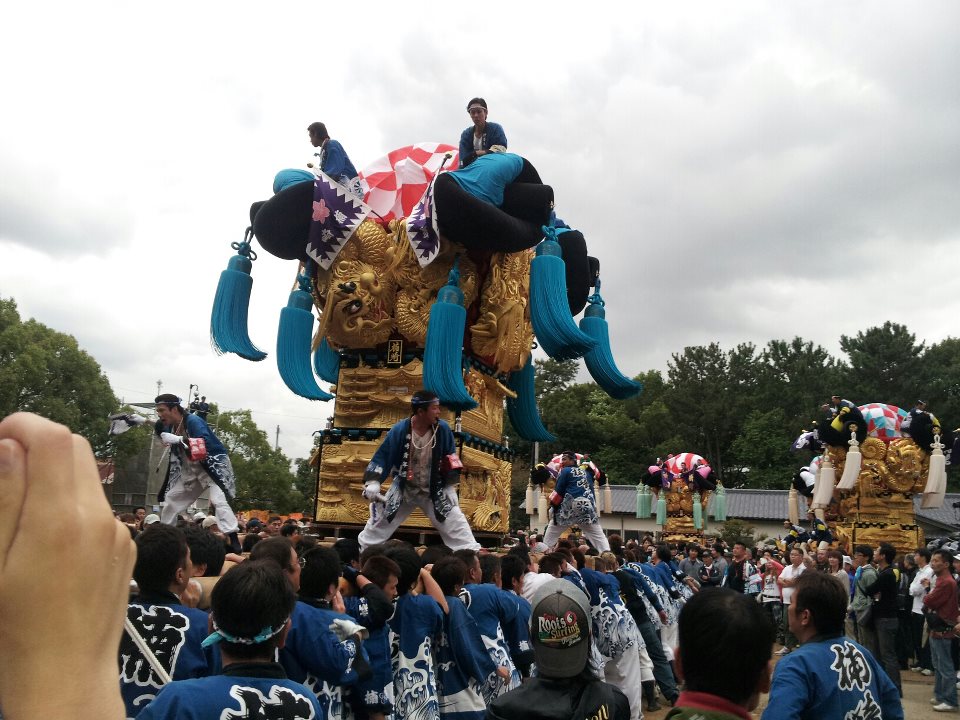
(720,504)
(443,355)
(599,360)
(522,411)
(662,509)
(643,501)
(293,344)
(326,362)
(556,332)
(228,318)
(697,512)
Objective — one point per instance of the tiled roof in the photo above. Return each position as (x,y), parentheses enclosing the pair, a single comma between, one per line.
(746,504)
(772,505)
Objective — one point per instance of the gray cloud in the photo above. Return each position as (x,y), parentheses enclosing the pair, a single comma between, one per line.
(743,173)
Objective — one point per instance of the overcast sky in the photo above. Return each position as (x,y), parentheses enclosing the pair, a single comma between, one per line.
(744,171)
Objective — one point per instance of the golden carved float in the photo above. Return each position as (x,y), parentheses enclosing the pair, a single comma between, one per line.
(374,304)
(880,508)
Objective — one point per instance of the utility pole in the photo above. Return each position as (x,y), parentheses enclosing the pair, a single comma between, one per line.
(159,386)
(276,441)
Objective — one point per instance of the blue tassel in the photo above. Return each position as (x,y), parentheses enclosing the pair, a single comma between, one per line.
(228,318)
(697,512)
(643,501)
(293,344)
(522,410)
(326,362)
(720,504)
(599,361)
(556,332)
(661,509)
(443,355)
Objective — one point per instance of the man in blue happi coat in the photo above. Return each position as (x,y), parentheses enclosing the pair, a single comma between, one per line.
(173,632)
(190,472)
(250,616)
(323,648)
(420,455)
(575,504)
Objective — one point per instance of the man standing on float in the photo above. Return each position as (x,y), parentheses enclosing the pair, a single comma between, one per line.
(420,454)
(189,474)
(575,504)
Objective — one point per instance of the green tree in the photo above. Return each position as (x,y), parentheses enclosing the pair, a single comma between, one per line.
(734,530)
(305,481)
(264,479)
(941,381)
(798,377)
(45,372)
(553,376)
(762,451)
(885,366)
(711,391)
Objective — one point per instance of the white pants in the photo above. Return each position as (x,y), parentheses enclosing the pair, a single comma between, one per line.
(624,674)
(669,636)
(646,665)
(193,481)
(591,531)
(454,531)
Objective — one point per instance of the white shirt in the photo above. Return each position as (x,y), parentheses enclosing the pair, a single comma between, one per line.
(917,591)
(790,573)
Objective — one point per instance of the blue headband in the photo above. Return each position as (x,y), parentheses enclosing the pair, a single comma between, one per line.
(217,635)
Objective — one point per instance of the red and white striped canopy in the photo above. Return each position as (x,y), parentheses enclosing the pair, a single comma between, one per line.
(674,463)
(395,183)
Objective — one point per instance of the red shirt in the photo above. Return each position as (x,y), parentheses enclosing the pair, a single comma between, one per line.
(943,600)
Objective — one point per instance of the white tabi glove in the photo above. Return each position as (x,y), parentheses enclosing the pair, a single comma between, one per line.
(371,491)
(344,629)
(170,438)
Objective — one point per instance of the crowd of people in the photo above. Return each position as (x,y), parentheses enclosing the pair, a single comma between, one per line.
(184,627)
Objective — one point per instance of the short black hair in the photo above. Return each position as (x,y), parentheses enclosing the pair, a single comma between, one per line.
(250,597)
(552,563)
(826,600)
(168,399)
(348,549)
(663,552)
(469,557)
(489,568)
(511,568)
(321,569)
(726,640)
(378,570)
(945,556)
(924,553)
(422,399)
(889,552)
(433,553)
(449,572)
(275,549)
(161,551)
(864,550)
(477,101)
(287,530)
(410,566)
(205,549)
(318,128)
(371,551)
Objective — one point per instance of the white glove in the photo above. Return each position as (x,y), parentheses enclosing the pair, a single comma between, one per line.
(345,628)
(371,490)
(170,438)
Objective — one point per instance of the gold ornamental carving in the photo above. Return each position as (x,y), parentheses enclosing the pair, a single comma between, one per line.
(880,508)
